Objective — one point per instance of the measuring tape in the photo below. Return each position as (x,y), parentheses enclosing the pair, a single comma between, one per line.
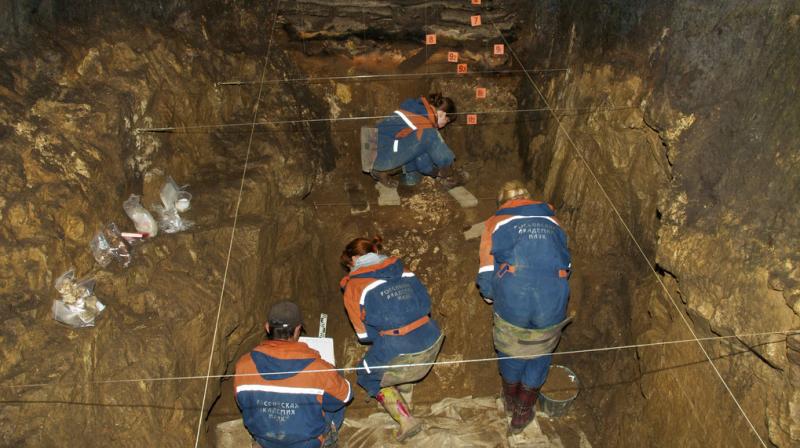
(323,324)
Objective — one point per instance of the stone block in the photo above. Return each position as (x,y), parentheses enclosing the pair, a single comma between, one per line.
(475,231)
(233,434)
(463,196)
(386,195)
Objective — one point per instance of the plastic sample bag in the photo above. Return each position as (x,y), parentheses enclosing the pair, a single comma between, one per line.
(175,200)
(108,245)
(169,193)
(141,218)
(170,221)
(175,197)
(78,307)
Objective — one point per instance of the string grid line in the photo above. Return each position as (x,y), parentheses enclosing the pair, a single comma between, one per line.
(400,366)
(366,117)
(233,231)
(387,76)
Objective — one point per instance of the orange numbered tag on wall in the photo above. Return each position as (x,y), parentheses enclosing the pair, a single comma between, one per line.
(476,2)
(472,119)
(475,20)
(480,92)
(430,39)
(452,56)
(461,68)
(499,49)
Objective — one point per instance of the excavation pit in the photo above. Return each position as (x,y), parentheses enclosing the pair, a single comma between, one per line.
(664,135)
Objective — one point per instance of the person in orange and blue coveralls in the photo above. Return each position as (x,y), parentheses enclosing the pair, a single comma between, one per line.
(389,307)
(524,268)
(282,403)
(410,145)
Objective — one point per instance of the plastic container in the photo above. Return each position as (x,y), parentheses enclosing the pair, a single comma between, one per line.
(559,391)
(183,201)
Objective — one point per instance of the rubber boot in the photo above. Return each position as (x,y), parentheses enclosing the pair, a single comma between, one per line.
(510,391)
(407,392)
(410,179)
(523,411)
(450,177)
(385,177)
(394,404)
(332,438)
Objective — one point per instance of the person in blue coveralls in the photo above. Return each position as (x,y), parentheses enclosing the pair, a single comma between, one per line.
(288,395)
(524,268)
(410,145)
(389,308)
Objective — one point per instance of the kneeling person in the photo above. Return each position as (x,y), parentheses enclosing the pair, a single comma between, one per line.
(389,308)
(409,142)
(282,405)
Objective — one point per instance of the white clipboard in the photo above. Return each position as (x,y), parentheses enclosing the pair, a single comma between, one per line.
(323,345)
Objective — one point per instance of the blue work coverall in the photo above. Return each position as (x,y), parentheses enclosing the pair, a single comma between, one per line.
(524,268)
(390,308)
(419,153)
(283,406)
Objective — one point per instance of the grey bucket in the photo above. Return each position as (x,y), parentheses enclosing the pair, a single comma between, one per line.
(556,408)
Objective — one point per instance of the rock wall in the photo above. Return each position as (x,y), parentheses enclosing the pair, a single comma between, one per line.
(703,169)
(726,103)
(398,21)
(71,99)
(685,111)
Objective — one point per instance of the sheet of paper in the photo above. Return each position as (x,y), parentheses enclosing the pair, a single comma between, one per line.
(323,345)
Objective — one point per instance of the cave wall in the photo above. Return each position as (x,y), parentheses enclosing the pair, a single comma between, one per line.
(730,215)
(704,171)
(699,154)
(396,21)
(72,93)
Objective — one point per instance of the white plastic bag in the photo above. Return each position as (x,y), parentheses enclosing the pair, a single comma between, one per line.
(169,193)
(175,197)
(175,200)
(78,307)
(141,218)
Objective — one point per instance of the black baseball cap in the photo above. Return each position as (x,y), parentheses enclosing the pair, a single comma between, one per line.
(285,314)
